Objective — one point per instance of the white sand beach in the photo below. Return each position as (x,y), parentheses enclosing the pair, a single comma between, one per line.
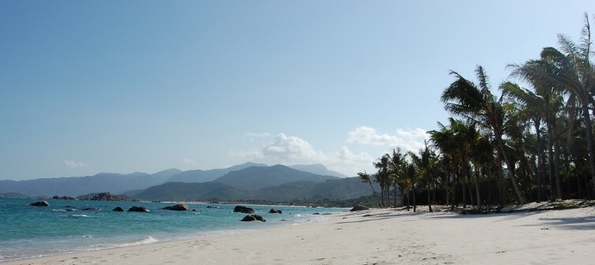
(379,236)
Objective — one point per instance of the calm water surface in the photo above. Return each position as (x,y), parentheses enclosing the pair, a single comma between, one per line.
(78,226)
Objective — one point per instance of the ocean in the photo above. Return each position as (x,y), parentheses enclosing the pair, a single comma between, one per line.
(79,226)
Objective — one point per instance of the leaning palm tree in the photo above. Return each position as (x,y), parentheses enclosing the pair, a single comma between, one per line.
(476,103)
(366,178)
(569,70)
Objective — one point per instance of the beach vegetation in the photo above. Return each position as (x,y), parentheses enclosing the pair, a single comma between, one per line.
(529,140)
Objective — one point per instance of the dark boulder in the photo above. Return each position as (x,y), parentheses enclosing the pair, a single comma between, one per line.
(253,217)
(359,208)
(138,209)
(243,209)
(275,211)
(118,209)
(40,203)
(177,207)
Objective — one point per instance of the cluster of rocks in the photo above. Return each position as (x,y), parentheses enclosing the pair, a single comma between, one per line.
(104,196)
(177,207)
(66,198)
(253,217)
(140,209)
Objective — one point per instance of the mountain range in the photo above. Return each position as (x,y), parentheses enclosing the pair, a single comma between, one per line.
(249,181)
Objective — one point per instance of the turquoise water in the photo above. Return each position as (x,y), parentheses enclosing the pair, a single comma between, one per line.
(67,226)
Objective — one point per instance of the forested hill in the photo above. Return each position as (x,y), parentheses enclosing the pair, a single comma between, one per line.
(254,178)
(334,189)
(236,181)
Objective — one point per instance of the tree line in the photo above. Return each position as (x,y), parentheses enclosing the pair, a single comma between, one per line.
(530,143)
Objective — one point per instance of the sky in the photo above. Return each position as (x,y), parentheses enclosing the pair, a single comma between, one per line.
(143,86)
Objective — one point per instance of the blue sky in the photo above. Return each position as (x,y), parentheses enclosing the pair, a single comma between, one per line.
(125,86)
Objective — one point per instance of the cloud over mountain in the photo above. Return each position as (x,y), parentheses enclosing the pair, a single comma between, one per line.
(74,164)
(288,149)
(406,139)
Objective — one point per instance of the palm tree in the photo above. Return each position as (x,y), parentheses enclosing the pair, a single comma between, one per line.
(411,180)
(424,164)
(382,177)
(478,104)
(366,178)
(444,141)
(458,141)
(396,171)
(536,108)
(571,71)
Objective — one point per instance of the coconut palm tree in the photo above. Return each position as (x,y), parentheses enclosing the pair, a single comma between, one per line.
(366,178)
(382,177)
(425,164)
(477,104)
(571,71)
(534,107)
(459,141)
(410,181)
(396,170)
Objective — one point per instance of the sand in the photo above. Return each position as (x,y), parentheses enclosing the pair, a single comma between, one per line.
(379,237)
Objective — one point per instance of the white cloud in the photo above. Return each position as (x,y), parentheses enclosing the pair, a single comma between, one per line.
(257,134)
(188,161)
(406,139)
(291,150)
(74,164)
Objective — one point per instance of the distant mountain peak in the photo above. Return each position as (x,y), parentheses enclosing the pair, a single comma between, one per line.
(318,169)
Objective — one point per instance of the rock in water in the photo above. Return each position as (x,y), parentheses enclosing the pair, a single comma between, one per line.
(359,208)
(118,209)
(275,211)
(138,209)
(253,217)
(40,203)
(243,209)
(259,218)
(177,207)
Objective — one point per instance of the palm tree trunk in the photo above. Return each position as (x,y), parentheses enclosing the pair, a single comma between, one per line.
(500,181)
(463,189)
(395,198)
(510,166)
(471,201)
(477,190)
(589,129)
(557,170)
(540,161)
(429,194)
(413,193)
(382,195)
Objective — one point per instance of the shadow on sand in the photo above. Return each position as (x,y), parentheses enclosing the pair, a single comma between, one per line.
(570,223)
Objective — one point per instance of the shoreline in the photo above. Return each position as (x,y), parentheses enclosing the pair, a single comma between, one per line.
(377,236)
